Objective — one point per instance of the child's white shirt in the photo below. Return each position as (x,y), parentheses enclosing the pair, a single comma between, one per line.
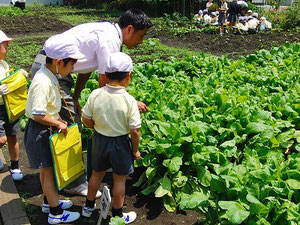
(4,67)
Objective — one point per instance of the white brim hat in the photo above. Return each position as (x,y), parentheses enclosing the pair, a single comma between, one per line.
(119,62)
(61,46)
(3,37)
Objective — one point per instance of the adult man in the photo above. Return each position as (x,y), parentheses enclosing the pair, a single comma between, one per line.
(96,41)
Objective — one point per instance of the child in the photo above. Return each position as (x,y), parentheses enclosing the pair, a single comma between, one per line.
(214,19)
(206,18)
(42,108)
(265,25)
(113,113)
(221,19)
(8,131)
(253,25)
(242,26)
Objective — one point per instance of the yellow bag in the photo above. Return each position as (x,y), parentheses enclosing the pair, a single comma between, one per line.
(15,100)
(67,156)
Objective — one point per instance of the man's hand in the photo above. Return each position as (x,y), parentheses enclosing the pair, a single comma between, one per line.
(77,107)
(142,107)
(24,72)
(3,89)
(136,155)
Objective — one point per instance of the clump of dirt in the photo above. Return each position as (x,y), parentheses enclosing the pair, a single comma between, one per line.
(229,44)
(31,24)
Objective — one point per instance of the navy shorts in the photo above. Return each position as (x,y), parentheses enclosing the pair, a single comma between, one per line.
(232,18)
(112,152)
(221,18)
(36,141)
(7,128)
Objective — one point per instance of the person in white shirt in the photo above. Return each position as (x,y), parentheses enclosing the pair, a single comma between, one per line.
(253,25)
(265,25)
(222,15)
(249,13)
(209,5)
(206,19)
(214,19)
(19,3)
(8,131)
(198,18)
(96,41)
(242,26)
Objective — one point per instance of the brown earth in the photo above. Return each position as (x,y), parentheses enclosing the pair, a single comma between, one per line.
(31,24)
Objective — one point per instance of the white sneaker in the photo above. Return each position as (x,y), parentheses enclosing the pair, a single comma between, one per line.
(16,174)
(86,211)
(65,217)
(1,164)
(64,204)
(129,217)
(81,189)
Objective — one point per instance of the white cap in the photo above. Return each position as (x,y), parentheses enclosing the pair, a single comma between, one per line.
(200,12)
(205,10)
(213,14)
(241,18)
(119,62)
(249,11)
(255,15)
(3,37)
(217,13)
(59,46)
(263,18)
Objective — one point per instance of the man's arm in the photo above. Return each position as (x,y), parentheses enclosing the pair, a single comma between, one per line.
(80,83)
(88,122)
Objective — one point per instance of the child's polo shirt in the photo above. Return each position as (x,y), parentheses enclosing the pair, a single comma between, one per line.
(4,67)
(252,24)
(43,95)
(113,110)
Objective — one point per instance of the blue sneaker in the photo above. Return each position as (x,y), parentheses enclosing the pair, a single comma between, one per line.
(64,204)
(86,211)
(65,217)
(128,217)
(16,174)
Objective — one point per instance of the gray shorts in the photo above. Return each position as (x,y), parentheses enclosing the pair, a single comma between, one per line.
(36,141)
(112,152)
(7,128)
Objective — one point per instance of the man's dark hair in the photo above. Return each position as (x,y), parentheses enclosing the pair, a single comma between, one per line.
(119,76)
(135,17)
(66,61)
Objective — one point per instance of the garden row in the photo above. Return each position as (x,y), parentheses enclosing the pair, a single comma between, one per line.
(222,136)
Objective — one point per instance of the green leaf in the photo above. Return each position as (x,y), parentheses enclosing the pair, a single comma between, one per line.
(253,128)
(169,203)
(164,188)
(235,213)
(192,201)
(175,164)
(294,184)
(140,180)
(204,176)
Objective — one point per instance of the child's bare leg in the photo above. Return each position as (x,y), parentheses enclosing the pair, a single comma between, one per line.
(119,190)
(48,185)
(94,183)
(13,147)
(3,141)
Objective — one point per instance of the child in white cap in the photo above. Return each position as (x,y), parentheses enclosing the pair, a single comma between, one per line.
(113,113)
(242,26)
(8,131)
(265,25)
(253,24)
(42,109)
(198,18)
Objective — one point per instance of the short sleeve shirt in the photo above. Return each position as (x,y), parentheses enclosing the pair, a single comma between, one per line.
(113,110)
(43,95)
(4,67)
(253,23)
(96,41)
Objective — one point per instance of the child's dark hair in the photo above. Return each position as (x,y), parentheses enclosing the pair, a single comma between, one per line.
(118,76)
(66,61)
(135,17)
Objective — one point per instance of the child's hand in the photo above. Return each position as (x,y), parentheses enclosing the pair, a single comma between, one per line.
(3,89)
(24,72)
(63,127)
(142,107)
(136,155)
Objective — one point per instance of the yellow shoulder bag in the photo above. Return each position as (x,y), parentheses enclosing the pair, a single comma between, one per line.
(15,100)
(66,153)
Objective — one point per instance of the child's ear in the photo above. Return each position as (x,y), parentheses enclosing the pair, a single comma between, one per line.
(60,62)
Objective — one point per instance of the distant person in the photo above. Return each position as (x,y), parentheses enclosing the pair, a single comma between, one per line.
(209,6)
(222,15)
(249,13)
(233,11)
(265,25)
(198,18)
(8,131)
(242,26)
(113,113)
(206,18)
(214,19)
(253,25)
(19,3)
